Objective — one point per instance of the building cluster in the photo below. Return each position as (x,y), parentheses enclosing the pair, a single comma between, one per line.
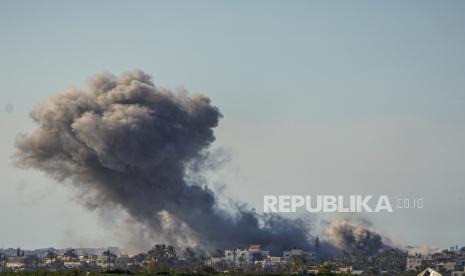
(451,262)
(252,258)
(257,258)
(62,259)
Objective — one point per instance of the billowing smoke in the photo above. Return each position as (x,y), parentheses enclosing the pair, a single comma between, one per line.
(124,142)
(355,237)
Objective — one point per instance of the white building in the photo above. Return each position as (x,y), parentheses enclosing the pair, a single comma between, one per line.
(255,254)
(242,257)
(15,264)
(72,265)
(229,256)
(310,257)
(414,262)
(273,262)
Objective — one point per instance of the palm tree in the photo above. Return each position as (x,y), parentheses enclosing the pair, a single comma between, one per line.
(109,256)
(3,260)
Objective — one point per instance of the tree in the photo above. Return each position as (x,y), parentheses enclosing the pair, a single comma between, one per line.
(3,260)
(162,254)
(109,255)
(298,262)
(157,253)
(190,257)
(70,253)
(324,268)
(140,257)
(170,254)
(202,259)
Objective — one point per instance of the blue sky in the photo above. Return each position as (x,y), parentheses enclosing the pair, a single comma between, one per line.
(318,97)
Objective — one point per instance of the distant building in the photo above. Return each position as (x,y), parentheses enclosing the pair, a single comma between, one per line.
(309,256)
(273,263)
(450,266)
(229,256)
(87,258)
(121,261)
(15,263)
(415,262)
(254,255)
(22,263)
(242,257)
(72,265)
(257,253)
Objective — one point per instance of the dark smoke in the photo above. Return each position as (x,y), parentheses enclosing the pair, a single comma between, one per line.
(125,142)
(355,237)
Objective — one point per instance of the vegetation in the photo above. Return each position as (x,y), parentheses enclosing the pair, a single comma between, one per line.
(164,260)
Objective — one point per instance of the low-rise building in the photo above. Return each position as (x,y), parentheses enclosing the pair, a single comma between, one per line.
(71,265)
(415,262)
(121,261)
(242,257)
(15,263)
(229,256)
(309,256)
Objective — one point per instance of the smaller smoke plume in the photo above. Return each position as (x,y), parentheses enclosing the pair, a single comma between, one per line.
(421,249)
(350,236)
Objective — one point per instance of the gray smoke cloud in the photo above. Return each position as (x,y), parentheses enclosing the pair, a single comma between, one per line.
(355,236)
(126,143)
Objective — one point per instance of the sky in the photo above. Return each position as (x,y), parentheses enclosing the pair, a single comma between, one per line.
(318,97)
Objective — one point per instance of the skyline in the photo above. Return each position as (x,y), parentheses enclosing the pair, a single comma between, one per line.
(317,98)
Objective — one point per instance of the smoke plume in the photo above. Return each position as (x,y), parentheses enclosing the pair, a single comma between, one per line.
(350,236)
(126,143)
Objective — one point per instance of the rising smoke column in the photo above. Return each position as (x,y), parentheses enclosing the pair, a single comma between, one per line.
(125,142)
(355,236)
